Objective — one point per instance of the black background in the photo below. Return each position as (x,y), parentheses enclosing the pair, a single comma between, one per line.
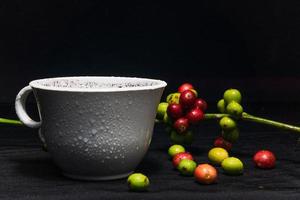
(249,45)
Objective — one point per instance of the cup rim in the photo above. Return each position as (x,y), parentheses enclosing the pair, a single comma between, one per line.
(158,84)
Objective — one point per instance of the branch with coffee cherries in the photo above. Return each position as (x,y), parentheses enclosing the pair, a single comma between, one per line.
(184,109)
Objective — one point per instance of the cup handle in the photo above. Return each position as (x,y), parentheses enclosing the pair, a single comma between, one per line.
(20,106)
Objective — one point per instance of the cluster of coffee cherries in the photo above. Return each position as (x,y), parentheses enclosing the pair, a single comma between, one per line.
(184,108)
(231,105)
(181,110)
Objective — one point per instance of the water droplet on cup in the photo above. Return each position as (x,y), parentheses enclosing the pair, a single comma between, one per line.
(92,121)
(94,131)
(85,140)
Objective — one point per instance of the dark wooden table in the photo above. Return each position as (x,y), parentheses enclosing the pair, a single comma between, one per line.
(27,172)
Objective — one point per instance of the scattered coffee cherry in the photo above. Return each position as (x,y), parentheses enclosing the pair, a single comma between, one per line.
(173,98)
(161,110)
(183,138)
(234,109)
(232,166)
(227,123)
(221,106)
(195,115)
(187,167)
(187,99)
(178,157)
(181,125)
(217,155)
(175,149)
(177,138)
(264,159)
(138,182)
(221,142)
(188,137)
(201,104)
(174,110)
(232,95)
(184,87)
(205,174)
(231,135)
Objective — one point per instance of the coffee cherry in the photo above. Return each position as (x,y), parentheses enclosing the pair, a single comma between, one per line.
(174,110)
(222,106)
(173,98)
(205,174)
(187,167)
(183,138)
(232,166)
(231,135)
(232,95)
(161,110)
(188,137)
(264,159)
(175,149)
(200,103)
(216,155)
(234,109)
(178,157)
(227,123)
(184,87)
(187,99)
(221,142)
(195,115)
(177,138)
(138,182)
(181,125)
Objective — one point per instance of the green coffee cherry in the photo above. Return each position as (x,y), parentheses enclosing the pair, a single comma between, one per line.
(232,166)
(221,106)
(183,138)
(188,137)
(234,109)
(231,135)
(227,123)
(138,182)
(187,167)
(175,149)
(232,95)
(173,98)
(161,110)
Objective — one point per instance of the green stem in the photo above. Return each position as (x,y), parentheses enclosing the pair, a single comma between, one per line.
(215,115)
(10,121)
(248,117)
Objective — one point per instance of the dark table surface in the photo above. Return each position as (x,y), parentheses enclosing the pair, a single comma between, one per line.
(27,172)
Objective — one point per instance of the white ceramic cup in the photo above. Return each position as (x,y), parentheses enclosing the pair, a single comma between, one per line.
(95,128)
